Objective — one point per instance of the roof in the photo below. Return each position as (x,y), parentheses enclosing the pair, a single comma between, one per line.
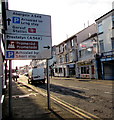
(105,15)
(75,35)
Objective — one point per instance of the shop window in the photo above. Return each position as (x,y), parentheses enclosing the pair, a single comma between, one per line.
(56,70)
(60,70)
(85,70)
(92,69)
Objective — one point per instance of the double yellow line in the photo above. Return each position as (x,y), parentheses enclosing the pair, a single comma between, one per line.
(72,109)
(75,110)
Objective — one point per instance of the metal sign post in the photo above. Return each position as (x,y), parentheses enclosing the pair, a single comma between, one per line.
(48,86)
(28,36)
(10,89)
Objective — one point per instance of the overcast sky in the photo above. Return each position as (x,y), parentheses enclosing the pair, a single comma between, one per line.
(67,16)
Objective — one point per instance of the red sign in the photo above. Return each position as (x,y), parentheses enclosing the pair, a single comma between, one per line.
(22,45)
(32,30)
(83,46)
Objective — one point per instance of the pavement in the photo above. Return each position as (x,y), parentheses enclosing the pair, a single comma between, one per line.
(29,104)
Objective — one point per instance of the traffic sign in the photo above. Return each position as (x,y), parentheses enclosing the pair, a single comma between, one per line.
(28,36)
(27,47)
(28,23)
(10,54)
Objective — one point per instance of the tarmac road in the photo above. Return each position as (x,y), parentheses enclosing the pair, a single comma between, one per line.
(93,96)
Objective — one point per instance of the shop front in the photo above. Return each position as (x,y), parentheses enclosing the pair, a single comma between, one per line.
(86,69)
(71,70)
(60,71)
(107,65)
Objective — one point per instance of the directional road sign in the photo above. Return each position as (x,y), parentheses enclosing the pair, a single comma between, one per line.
(28,36)
(27,47)
(28,23)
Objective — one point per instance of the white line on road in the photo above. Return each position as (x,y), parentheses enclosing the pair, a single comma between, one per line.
(108,92)
(78,87)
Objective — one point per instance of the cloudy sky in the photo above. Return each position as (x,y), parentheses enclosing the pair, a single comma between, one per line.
(68,16)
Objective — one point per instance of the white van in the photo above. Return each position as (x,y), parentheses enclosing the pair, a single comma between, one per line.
(36,75)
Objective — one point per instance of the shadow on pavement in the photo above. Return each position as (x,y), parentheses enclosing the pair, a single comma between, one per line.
(63,90)
(26,104)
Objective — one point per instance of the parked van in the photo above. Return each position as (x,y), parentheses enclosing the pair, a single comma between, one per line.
(36,75)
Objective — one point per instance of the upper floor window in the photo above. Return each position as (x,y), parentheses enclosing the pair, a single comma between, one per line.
(85,52)
(101,43)
(100,28)
(72,43)
(71,56)
(112,21)
(61,59)
(112,43)
(65,46)
(67,58)
(57,50)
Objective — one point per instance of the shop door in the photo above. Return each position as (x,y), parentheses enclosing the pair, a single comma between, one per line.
(109,70)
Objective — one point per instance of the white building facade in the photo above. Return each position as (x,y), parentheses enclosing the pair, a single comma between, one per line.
(66,58)
(86,64)
(87,49)
(71,58)
(105,26)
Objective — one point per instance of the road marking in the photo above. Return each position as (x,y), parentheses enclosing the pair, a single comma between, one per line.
(70,110)
(73,109)
(108,93)
(79,88)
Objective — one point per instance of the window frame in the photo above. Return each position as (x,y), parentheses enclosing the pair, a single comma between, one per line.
(101,45)
(100,28)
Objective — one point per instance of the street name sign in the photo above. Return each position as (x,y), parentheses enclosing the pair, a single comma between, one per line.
(28,36)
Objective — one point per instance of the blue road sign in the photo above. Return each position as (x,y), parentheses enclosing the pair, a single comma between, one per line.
(9,54)
(16,20)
